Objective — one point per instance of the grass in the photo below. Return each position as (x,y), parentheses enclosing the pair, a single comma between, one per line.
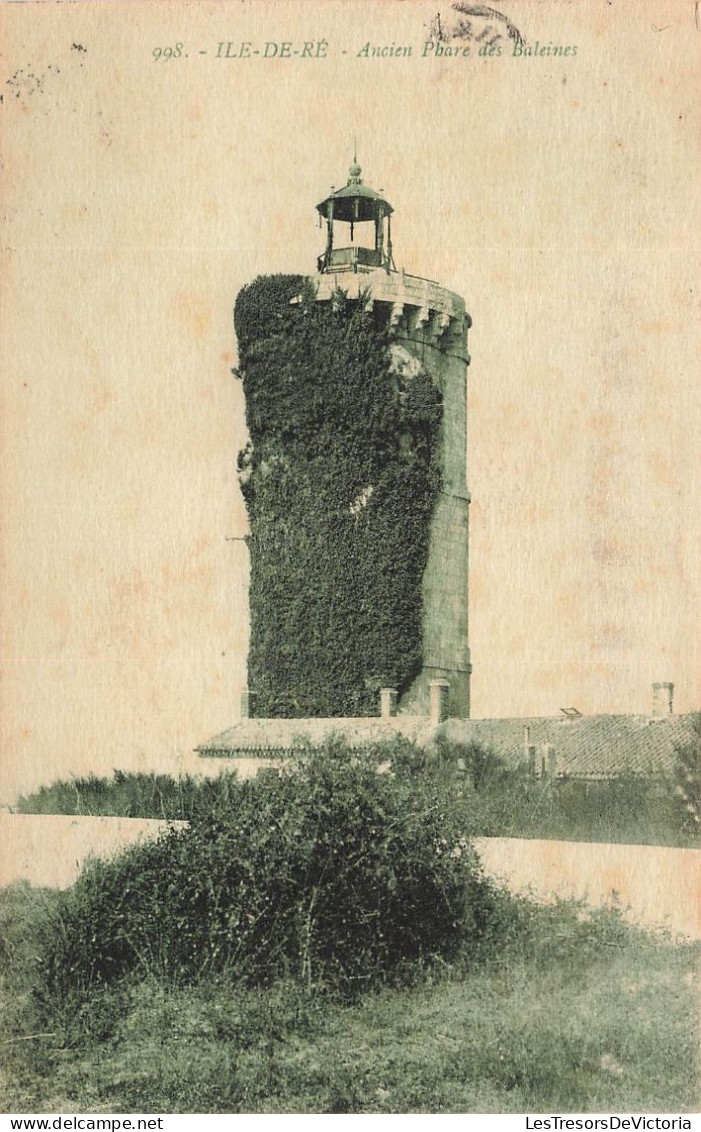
(130,795)
(572,1012)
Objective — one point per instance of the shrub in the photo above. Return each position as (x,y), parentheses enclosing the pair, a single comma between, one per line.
(329,873)
(686,785)
(498,799)
(132,795)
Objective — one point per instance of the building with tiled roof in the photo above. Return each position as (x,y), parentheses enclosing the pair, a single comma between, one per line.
(571,745)
(584,746)
(279,738)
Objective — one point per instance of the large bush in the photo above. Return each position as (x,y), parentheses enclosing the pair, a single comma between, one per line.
(330,873)
(340,480)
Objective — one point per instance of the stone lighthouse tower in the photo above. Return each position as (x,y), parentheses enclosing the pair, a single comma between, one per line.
(429,326)
(354,478)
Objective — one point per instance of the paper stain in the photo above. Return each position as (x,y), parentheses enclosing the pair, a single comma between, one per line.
(195,313)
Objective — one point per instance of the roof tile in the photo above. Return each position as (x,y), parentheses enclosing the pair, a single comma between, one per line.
(588,746)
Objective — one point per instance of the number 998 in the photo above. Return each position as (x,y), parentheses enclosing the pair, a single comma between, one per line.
(168,52)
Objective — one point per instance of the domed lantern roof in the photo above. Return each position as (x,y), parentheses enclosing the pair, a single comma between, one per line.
(356,203)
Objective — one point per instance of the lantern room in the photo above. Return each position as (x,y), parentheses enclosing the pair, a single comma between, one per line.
(357,206)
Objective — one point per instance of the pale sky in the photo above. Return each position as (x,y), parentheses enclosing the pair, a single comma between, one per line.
(557,195)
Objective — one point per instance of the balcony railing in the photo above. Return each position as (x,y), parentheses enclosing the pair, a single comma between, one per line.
(351,259)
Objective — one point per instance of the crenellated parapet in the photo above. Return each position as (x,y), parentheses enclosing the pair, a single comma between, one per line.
(417,306)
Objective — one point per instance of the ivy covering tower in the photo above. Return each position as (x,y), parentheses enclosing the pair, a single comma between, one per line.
(354,477)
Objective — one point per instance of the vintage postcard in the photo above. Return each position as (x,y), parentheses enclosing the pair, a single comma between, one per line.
(212,557)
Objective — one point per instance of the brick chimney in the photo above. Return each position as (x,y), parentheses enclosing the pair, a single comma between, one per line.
(388,702)
(439,693)
(662,695)
(247,704)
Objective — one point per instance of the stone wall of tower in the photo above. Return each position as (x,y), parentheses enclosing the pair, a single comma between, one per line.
(430,323)
(445,584)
